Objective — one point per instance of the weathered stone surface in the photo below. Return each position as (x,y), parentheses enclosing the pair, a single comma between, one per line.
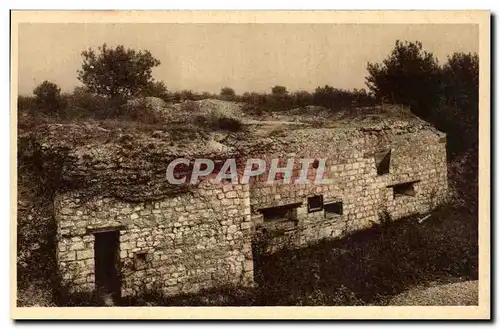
(210,245)
(417,156)
(201,236)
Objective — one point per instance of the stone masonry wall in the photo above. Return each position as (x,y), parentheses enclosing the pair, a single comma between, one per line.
(193,241)
(353,180)
(203,238)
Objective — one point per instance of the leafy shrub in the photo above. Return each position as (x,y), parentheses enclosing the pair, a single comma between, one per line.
(227,93)
(189,131)
(188,95)
(156,89)
(48,97)
(337,99)
(279,90)
(25,103)
(446,96)
(252,109)
(214,122)
(190,106)
(84,104)
(463,180)
(342,297)
(117,71)
(409,76)
(230,124)
(142,111)
(458,111)
(282,100)
(369,266)
(228,295)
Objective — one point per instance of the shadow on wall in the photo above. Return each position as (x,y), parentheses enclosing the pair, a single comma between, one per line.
(365,268)
(372,265)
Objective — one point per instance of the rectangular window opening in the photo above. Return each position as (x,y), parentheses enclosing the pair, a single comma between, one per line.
(140,260)
(404,189)
(315,203)
(383,162)
(280,213)
(333,209)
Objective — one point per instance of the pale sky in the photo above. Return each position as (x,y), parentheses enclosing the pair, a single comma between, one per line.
(246,57)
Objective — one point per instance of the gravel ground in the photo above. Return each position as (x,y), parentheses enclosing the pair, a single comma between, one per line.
(461,293)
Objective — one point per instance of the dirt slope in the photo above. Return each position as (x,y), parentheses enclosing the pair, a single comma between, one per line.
(460,293)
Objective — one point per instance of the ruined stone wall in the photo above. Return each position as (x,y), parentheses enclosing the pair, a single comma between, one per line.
(192,241)
(418,158)
(203,238)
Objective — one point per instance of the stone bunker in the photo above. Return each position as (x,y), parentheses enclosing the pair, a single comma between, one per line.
(121,227)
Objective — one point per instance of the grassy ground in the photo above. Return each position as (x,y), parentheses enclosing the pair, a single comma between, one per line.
(460,293)
(366,268)
(369,267)
(391,264)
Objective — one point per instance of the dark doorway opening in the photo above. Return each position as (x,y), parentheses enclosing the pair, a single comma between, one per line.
(107,261)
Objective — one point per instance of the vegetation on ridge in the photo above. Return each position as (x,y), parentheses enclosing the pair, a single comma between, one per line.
(363,269)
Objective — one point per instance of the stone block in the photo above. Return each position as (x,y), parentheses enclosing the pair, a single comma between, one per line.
(248,265)
(226,202)
(66,211)
(67,256)
(79,245)
(84,254)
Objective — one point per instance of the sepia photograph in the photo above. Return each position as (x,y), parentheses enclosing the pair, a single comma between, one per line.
(173,160)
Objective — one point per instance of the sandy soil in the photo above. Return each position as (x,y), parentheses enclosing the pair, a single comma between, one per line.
(460,293)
